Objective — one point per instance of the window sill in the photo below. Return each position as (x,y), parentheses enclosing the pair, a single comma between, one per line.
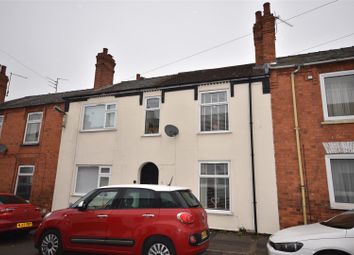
(151,135)
(98,130)
(215,212)
(334,122)
(214,132)
(77,195)
(29,144)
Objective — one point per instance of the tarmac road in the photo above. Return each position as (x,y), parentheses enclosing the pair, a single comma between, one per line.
(221,243)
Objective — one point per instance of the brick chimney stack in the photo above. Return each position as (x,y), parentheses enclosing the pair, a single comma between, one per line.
(3,83)
(104,69)
(264,36)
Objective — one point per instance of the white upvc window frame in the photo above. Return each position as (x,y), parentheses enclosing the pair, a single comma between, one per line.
(152,109)
(21,174)
(2,119)
(115,111)
(209,210)
(324,98)
(333,203)
(99,176)
(33,122)
(211,104)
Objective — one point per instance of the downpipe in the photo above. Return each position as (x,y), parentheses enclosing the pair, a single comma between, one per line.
(298,146)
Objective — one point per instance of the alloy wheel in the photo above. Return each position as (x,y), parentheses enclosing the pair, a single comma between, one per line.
(50,244)
(159,249)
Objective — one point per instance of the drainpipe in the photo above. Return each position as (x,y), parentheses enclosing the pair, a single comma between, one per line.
(298,147)
(252,158)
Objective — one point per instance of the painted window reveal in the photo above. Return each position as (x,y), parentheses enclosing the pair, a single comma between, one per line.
(152,115)
(101,116)
(214,185)
(24,181)
(338,95)
(33,127)
(214,111)
(91,177)
(340,174)
(1,123)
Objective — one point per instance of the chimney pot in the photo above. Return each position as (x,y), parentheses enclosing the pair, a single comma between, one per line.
(266,8)
(258,16)
(105,51)
(138,76)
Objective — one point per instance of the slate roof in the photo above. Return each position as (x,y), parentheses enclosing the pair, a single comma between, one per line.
(315,57)
(40,99)
(193,77)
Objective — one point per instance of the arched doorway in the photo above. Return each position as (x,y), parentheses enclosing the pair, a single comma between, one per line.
(149,174)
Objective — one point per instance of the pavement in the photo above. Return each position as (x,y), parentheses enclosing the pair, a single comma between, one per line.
(237,243)
(221,243)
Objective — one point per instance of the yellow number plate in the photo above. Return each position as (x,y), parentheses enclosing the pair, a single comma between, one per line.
(204,235)
(24,225)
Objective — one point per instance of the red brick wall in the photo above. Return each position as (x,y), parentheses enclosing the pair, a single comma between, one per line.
(43,156)
(312,133)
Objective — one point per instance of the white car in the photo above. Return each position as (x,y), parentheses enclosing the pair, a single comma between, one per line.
(332,237)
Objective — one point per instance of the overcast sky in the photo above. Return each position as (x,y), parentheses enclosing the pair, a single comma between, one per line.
(60,39)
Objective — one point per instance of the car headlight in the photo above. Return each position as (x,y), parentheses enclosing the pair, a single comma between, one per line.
(288,247)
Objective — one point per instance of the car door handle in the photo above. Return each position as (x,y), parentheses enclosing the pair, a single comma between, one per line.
(148,215)
(101,216)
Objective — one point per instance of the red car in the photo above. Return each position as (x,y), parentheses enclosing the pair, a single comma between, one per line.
(128,219)
(16,214)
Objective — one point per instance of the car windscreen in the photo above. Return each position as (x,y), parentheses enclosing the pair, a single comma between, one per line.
(188,198)
(343,221)
(74,205)
(6,199)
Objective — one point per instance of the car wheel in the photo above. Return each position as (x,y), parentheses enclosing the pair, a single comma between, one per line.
(50,243)
(159,246)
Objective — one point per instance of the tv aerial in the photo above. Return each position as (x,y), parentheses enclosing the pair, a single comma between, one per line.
(54,83)
(9,83)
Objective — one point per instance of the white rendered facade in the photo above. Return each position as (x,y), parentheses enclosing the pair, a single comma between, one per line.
(125,149)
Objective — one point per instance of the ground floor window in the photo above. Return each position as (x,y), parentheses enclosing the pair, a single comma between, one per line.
(214,185)
(91,177)
(24,181)
(340,176)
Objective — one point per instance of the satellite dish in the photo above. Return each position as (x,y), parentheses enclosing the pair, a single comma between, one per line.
(171,130)
(3,148)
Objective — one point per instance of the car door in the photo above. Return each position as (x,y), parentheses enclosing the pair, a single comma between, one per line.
(350,237)
(88,225)
(132,219)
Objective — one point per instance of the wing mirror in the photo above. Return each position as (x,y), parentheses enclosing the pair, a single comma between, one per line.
(81,206)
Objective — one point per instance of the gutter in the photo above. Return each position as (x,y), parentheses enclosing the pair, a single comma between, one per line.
(312,63)
(298,145)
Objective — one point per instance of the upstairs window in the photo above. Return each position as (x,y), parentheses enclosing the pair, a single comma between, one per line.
(33,127)
(214,111)
(101,116)
(338,95)
(152,115)
(1,123)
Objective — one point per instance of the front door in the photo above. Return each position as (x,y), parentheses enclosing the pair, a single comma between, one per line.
(149,174)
